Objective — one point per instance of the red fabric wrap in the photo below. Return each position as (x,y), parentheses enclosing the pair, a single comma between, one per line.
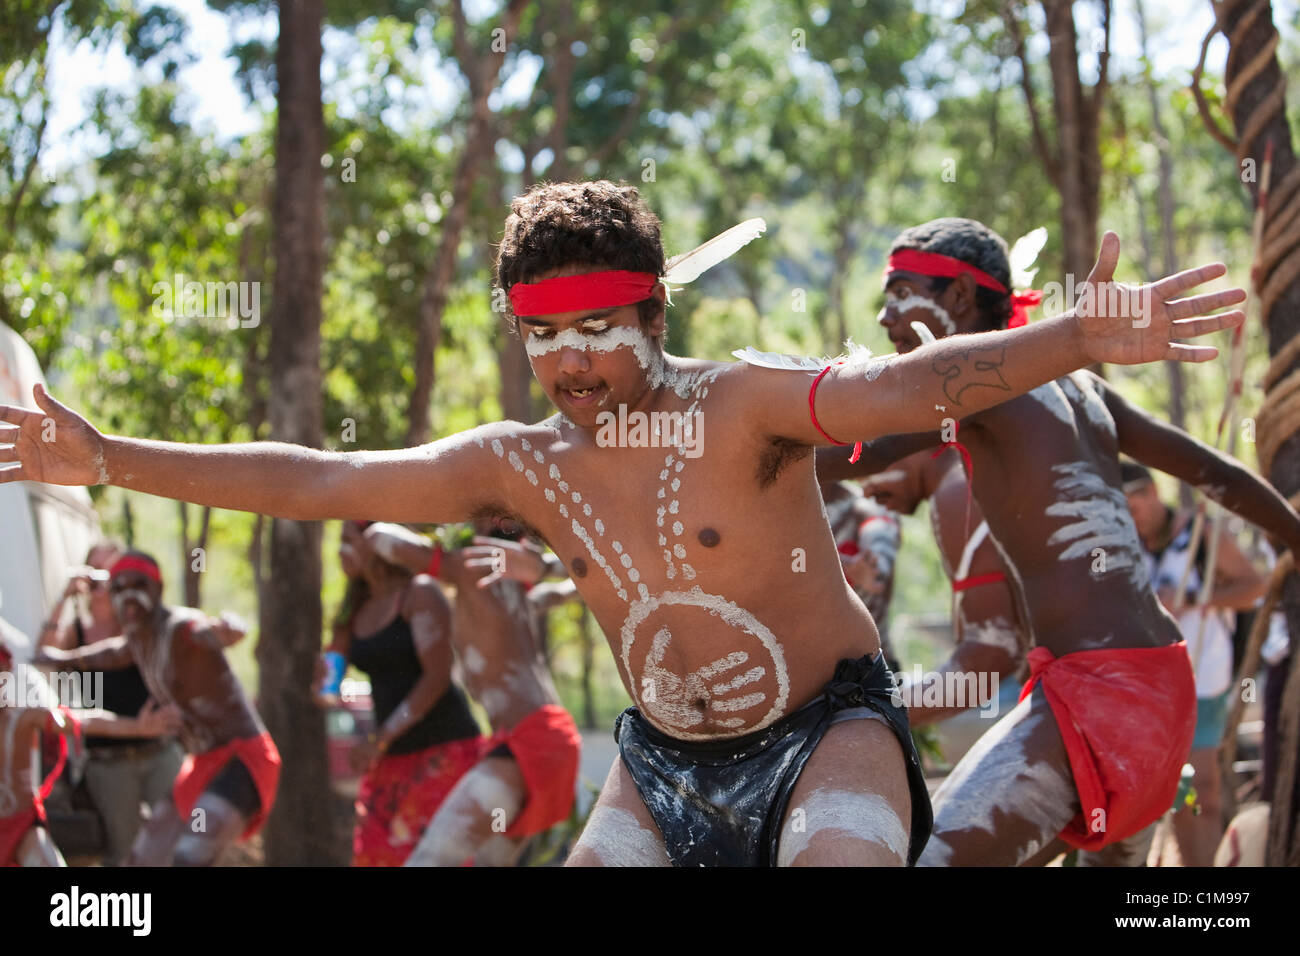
(1127,716)
(14,828)
(975,580)
(12,831)
(592,290)
(132,563)
(259,756)
(546,745)
(400,794)
(947,267)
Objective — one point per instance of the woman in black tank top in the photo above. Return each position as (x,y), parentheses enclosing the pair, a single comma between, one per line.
(396,629)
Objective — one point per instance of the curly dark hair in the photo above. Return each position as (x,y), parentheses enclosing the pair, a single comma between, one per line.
(972,242)
(555,225)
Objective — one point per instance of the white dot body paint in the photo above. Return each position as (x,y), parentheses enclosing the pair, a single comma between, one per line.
(618,839)
(849,815)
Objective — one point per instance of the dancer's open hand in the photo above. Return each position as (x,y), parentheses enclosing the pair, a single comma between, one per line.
(51,443)
(1129,325)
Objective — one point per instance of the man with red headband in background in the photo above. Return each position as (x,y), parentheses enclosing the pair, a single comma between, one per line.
(1094,750)
(227,784)
(28,708)
(527,779)
(682,498)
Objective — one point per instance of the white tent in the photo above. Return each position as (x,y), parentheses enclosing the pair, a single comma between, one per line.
(44,529)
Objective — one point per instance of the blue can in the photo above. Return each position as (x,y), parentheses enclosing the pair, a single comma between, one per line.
(335,665)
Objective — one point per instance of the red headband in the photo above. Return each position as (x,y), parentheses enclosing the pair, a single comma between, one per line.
(592,290)
(132,563)
(947,267)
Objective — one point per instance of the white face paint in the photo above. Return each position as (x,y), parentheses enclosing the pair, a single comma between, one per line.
(903,305)
(616,837)
(850,816)
(647,356)
(1103,521)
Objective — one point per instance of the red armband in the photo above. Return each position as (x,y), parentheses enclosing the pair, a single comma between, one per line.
(812,413)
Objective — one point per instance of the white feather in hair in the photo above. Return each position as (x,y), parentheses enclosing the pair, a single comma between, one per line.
(689,266)
(1022,256)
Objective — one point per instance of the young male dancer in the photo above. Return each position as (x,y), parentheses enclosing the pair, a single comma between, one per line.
(761,735)
(1094,750)
(227,784)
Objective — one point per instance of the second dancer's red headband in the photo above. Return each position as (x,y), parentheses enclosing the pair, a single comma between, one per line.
(947,267)
(132,563)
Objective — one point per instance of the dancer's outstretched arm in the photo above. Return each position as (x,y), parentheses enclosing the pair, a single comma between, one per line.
(961,375)
(447,480)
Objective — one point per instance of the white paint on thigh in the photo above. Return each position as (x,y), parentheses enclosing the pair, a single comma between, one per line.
(855,816)
(618,839)
(453,835)
(995,780)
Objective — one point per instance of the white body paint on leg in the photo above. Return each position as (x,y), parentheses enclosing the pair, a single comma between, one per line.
(450,839)
(994,779)
(854,816)
(617,839)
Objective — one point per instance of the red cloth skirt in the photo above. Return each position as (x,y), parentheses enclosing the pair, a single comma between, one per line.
(1127,717)
(400,794)
(546,745)
(12,831)
(258,755)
